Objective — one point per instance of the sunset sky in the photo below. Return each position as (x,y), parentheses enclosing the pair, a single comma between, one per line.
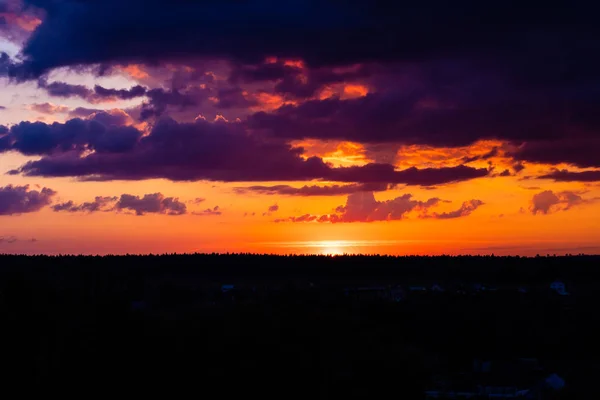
(309,126)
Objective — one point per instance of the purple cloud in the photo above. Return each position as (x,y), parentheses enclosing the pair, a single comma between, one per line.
(218,151)
(97,95)
(314,190)
(580,151)
(466,209)
(38,138)
(100,203)
(209,211)
(572,176)
(122,94)
(49,108)
(155,203)
(16,200)
(362,207)
(548,201)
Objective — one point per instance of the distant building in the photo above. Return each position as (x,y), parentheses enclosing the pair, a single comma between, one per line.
(559,287)
(396,294)
(502,379)
(227,288)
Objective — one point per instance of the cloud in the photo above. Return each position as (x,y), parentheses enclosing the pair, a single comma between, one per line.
(272,209)
(2,108)
(38,138)
(160,100)
(121,94)
(362,207)
(217,151)
(576,150)
(8,239)
(314,190)
(209,211)
(547,202)
(155,203)
(386,173)
(518,167)
(400,116)
(83,112)
(100,203)
(301,218)
(492,153)
(49,108)
(320,32)
(466,209)
(572,176)
(65,90)
(16,200)
(98,94)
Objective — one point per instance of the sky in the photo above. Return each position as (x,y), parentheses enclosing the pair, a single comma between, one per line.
(329,127)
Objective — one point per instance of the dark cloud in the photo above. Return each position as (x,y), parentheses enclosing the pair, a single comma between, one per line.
(321,32)
(579,151)
(121,94)
(314,190)
(6,64)
(16,200)
(466,209)
(2,108)
(402,117)
(160,100)
(385,173)
(486,156)
(572,176)
(518,167)
(97,95)
(443,74)
(66,90)
(548,201)
(234,98)
(100,203)
(38,138)
(218,151)
(155,203)
(49,108)
(294,79)
(209,211)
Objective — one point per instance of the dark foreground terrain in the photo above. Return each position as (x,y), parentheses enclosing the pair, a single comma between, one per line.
(243,326)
